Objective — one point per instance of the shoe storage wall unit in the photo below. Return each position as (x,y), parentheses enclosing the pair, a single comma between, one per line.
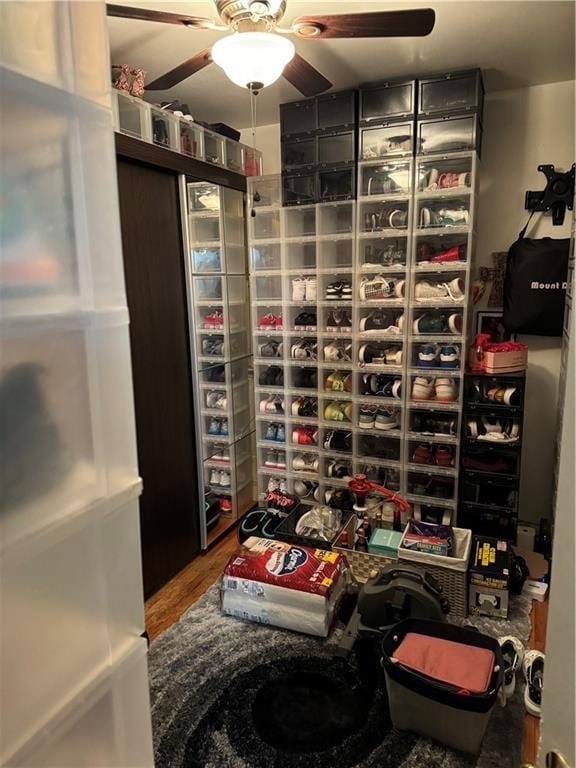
(445,194)
(220,352)
(492,432)
(144,121)
(318,144)
(302,264)
(73,662)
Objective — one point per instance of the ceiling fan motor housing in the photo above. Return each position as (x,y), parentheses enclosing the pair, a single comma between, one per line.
(233,12)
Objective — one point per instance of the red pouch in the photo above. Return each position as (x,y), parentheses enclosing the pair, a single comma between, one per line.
(464,666)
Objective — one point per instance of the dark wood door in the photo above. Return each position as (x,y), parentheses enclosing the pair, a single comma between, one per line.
(163,395)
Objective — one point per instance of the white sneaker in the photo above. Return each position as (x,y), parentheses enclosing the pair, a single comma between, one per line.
(445,390)
(225,479)
(299,289)
(311,289)
(533,668)
(513,653)
(454,290)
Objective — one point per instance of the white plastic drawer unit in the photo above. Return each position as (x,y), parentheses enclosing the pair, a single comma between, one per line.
(54,257)
(67,433)
(109,727)
(70,600)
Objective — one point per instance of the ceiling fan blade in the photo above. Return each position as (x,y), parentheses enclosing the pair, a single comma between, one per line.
(146,14)
(305,77)
(415,23)
(181,72)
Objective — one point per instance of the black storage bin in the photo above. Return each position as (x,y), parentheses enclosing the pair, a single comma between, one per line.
(451,92)
(336,148)
(299,153)
(336,184)
(499,524)
(298,117)
(386,100)
(286,531)
(436,709)
(336,110)
(390,139)
(299,189)
(450,133)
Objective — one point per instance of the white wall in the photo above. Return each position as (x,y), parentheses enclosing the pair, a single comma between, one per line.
(268,142)
(522,129)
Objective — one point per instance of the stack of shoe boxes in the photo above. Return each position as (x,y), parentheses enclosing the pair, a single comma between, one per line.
(385,200)
(302,260)
(445,194)
(365,304)
(318,140)
(490,457)
(220,352)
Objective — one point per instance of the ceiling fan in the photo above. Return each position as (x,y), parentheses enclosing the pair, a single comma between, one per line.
(259,51)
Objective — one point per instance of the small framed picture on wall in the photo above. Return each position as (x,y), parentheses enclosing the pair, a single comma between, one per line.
(491,322)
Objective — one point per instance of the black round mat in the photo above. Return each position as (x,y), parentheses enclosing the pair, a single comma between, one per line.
(297,711)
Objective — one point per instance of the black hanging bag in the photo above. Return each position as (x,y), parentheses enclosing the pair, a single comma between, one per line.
(535,285)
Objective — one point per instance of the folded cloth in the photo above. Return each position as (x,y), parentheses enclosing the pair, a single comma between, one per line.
(466,667)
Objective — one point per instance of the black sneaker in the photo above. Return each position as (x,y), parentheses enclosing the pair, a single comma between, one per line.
(305,321)
(273,376)
(344,320)
(378,322)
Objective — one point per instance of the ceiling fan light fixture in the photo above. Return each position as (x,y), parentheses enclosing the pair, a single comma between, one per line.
(253,57)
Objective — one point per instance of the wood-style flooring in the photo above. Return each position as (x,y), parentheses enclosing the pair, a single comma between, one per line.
(165,608)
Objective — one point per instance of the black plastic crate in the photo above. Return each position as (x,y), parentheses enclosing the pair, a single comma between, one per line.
(286,531)
(451,92)
(482,491)
(299,153)
(336,148)
(489,461)
(387,100)
(495,392)
(450,133)
(336,184)
(336,110)
(299,188)
(498,523)
(298,117)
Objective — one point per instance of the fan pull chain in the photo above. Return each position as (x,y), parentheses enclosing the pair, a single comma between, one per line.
(253,94)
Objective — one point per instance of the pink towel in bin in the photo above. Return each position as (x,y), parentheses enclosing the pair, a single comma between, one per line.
(463,666)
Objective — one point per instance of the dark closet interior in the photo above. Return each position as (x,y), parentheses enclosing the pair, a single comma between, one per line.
(156,291)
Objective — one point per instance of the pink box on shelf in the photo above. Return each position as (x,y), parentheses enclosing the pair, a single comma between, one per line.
(509,357)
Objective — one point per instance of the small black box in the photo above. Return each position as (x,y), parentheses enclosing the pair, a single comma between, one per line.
(489,576)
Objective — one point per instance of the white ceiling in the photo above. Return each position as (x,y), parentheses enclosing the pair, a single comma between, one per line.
(515,43)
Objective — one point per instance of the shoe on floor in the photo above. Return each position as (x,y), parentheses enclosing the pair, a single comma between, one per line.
(533,668)
(513,654)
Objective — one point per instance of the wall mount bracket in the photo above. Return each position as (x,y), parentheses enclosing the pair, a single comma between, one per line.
(556,196)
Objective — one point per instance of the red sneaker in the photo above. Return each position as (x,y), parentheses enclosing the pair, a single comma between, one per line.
(421,455)
(457,253)
(214,321)
(444,457)
(267,322)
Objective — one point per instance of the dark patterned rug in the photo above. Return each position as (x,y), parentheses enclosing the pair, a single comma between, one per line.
(230,694)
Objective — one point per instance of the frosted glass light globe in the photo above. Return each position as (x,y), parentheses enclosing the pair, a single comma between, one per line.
(253,57)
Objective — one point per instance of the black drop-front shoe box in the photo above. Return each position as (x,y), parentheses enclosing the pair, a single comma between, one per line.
(489,577)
